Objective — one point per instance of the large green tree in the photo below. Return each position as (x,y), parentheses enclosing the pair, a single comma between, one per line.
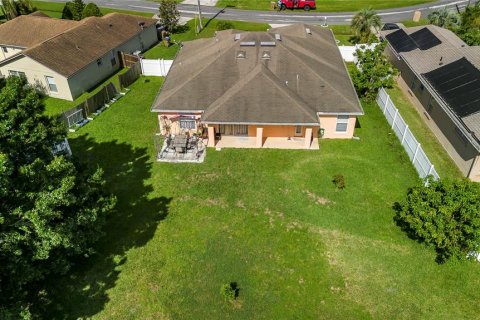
(91,10)
(444,18)
(363,23)
(469,29)
(444,214)
(168,14)
(51,209)
(372,71)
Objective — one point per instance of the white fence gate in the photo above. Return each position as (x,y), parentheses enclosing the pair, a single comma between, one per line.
(155,67)
(412,146)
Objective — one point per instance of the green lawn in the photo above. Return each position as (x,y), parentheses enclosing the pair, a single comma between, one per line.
(188,33)
(326,5)
(342,34)
(411,23)
(54,9)
(430,144)
(270,220)
(56,106)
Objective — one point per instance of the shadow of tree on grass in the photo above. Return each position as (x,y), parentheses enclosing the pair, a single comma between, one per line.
(82,292)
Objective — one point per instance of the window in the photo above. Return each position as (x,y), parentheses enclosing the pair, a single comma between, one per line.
(99,62)
(342,123)
(4,49)
(52,86)
(298,130)
(188,124)
(430,104)
(16,73)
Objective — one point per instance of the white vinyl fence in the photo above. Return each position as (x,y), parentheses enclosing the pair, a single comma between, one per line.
(347,52)
(412,146)
(155,67)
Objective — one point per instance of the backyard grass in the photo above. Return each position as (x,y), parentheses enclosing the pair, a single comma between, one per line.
(326,5)
(270,220)
(430,144)
(54,106)
(343,34)
(411,23)
(188,33)
(54,9)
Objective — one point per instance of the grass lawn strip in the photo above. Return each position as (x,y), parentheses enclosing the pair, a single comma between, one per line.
(254,216)
(444,165)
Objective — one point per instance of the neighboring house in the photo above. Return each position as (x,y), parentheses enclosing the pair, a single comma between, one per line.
(68,57)
(443,73)
(260,89)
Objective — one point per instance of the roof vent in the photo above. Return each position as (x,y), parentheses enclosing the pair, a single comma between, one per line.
(267,44)
(266,55)
(237,37)
(278,37)
(247,44)
(241,54)
(307,30)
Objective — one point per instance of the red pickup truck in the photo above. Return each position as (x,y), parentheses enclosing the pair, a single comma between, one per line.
(297,4)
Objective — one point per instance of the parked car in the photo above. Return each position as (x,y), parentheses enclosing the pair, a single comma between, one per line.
(297,4)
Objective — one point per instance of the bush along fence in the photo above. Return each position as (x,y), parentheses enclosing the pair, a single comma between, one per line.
(413,148)
(79,115)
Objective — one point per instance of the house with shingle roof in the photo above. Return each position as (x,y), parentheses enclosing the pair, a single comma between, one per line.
(67,58)
(443,73)
(280,88)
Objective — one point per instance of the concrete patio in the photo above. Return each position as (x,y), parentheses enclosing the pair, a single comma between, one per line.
(270,143)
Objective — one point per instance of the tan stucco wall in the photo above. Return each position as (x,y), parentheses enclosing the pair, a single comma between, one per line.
(11,51)
(93,74)
(275,131)
(474,173)
(168,123)
(36,72)
(329,123)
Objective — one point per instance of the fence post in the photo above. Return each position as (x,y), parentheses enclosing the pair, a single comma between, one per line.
(386,101)
(404,134)
(141,66)
(430,170)
(416,152)
(394,117)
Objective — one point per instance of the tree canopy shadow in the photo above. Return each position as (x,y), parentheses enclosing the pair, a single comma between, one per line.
(82,292)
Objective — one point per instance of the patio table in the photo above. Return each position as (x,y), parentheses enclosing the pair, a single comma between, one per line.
(180,143)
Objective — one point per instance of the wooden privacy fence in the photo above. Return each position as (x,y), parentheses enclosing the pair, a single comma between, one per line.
(78,115)
(130,76)
(413,148)
(127,60)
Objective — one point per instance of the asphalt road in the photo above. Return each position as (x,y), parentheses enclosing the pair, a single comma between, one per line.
(390,15)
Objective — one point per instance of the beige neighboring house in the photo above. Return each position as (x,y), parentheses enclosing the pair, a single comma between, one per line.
(275,89)
(67,58)
(443,73)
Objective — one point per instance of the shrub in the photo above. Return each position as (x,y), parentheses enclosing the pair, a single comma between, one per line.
(229,291)
(339,181)
(91,10)
(445,214)
(224,25)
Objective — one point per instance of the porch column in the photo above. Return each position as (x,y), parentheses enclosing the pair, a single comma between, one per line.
(211,136)
(308,137)
(259,142)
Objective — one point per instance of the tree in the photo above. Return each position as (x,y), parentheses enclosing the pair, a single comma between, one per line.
(168,14)
(469,30)
(9,9)
(91,10)
(444,214)
(373,71)
(362,24)
(67,12)
(444,18)
(77,9)
(51,208)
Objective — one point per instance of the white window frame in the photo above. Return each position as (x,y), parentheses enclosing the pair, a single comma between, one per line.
(16,73)
(342,120)
(297,133)
(51,84)
(182,123)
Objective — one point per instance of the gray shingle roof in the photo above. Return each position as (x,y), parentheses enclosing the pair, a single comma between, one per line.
(304,74)
(450,50)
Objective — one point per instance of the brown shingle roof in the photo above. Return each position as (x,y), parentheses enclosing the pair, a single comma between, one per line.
(93,37)
(304,75)
(28,31)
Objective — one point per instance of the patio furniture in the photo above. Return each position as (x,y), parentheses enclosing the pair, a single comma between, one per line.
(180,143)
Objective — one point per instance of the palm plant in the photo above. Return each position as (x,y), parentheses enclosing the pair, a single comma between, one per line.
(444,18)
(363,22)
